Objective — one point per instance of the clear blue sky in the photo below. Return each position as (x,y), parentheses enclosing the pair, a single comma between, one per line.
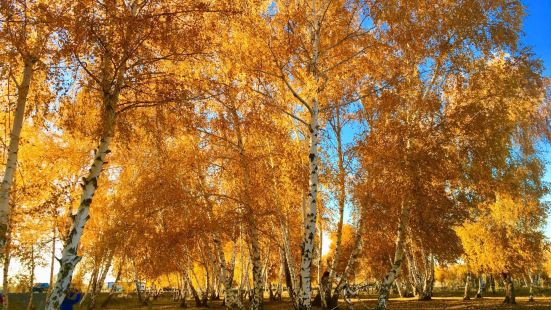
(537,35)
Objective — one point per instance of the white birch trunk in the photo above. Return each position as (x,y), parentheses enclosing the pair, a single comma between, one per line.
(287,261)
(467,286)
(305,292)
(414,271)
(341,198)
(510,297)
(98,284)
(52,261)
(231,298)
(6,267)
(70,257)
(113,288)
(254,252)
(305,297)
(531,283)
(13,149)
(254,245)
(351,264)
(31,280)
(293,290)
(398,259)
(429,276)
(480,286)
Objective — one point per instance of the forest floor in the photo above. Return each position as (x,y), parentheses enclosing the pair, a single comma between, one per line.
(450,303)
(444,300)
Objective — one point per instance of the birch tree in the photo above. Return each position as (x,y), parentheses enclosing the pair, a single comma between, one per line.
(25,35)
(113,56)
(305,72)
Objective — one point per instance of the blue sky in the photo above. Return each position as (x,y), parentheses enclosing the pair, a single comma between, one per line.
(537,35)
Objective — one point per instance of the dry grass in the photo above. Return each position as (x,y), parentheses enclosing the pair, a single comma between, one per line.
(394,303)
(445,300)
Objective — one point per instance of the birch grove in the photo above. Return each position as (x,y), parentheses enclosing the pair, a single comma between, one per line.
(303,154)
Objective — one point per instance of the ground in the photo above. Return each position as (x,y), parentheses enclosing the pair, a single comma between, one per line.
(395,303)
(442,300)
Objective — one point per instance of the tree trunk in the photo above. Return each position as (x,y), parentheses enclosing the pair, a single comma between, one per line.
(113,288)
(13,149)
(467,286)
(31,281)
(92,282)
(305,292)
(429,277)
(509,289)
(399,288)
(192,289)
(350,265)
(70,258)
(254,246)
(6,267)
(307,245)
(415,275)
(183,295)
(254,252)
(98,285)
(480,286)
(287,261)
(492,284)
(531,278)
(398,258)
(52,261)
(337,128)
(231,298)
(319,300)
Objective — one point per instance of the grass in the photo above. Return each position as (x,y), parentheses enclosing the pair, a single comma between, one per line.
(444,299)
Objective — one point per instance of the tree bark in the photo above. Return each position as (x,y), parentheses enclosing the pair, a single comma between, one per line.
(98,285)
(113,288)
(350,265)
(31,281)
(341,195)
(52,261)
(480,286)
(6,267)
(192,289)
(398,258)
(13,148)
(287,261)
(429,277)
(254,245)
(92,283)
(509,289)
(231,298)
(307,246)
(70,257)
(467,286)
(254,252)
(531,279)
(305,293)
(414,272)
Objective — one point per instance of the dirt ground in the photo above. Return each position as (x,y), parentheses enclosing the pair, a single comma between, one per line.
(394,303)
(445,300)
